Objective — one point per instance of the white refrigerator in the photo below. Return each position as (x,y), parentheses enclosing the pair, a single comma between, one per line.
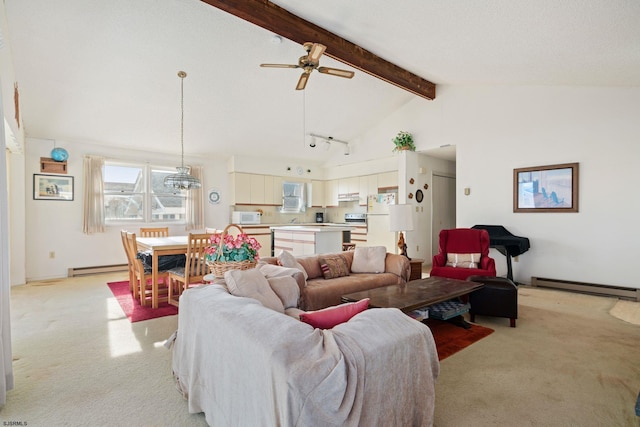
(378,226)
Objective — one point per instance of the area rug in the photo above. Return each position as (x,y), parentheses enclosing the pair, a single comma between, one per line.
(132,308)
(450,338)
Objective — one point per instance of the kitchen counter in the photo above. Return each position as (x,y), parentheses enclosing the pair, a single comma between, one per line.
(316,228)
(308,239)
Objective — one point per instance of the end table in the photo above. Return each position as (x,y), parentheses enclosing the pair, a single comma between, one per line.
(416,268)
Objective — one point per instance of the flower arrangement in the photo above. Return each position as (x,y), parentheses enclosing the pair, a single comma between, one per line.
(234,249)
(403,141)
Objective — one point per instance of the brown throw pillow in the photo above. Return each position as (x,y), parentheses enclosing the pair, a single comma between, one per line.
(333,266)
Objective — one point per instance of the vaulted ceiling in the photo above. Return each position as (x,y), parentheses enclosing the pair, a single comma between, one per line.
(106,71)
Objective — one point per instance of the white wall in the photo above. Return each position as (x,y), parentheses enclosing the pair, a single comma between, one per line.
(56,226)
(497,129)
(15,159)
(421,169)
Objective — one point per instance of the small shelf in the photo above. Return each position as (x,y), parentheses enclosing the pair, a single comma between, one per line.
(48,165)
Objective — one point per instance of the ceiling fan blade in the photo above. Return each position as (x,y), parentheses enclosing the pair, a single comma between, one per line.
(302,82)
(279,65)
(336,72)
(316,52)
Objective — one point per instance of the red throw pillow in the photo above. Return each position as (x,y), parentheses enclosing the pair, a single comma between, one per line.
(327,318)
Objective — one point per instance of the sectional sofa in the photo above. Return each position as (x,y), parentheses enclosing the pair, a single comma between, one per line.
(319,288)
(242,356)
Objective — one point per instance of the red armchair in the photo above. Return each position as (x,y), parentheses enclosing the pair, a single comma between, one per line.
(463,241)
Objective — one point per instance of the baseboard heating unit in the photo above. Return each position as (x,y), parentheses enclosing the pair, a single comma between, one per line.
(589,288)
(85,271)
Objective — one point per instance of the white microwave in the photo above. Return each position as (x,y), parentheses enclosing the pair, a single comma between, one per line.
(240,217)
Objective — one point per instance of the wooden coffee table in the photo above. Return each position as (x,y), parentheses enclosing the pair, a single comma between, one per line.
(415,294)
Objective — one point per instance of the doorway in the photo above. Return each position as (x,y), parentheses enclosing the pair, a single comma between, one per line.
(444,207)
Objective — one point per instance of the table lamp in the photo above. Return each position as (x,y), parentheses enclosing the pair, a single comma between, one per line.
(401,220)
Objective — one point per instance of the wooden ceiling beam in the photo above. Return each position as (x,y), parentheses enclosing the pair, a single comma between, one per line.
(273,18)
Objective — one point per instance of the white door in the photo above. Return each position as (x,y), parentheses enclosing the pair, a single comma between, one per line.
(444,207)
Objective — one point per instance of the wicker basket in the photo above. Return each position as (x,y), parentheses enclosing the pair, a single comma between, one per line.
(218,268)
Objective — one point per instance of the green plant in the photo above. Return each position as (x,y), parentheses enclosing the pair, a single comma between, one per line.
(403,141)
(240,248)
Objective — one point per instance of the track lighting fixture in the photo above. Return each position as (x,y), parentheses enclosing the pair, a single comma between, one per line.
(328,140)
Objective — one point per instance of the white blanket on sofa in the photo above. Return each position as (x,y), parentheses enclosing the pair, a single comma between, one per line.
(244,364)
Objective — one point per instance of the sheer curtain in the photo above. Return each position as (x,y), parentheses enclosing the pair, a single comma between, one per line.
(93,217)
(195,204)
(6,367)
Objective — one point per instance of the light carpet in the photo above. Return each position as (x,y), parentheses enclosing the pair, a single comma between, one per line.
(78,361)
(629,311)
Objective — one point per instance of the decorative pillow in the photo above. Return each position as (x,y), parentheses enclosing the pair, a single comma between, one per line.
(252,284)
(333,266)
(286,259)
(286,288)
(369,259)
(463,260)
(327,318)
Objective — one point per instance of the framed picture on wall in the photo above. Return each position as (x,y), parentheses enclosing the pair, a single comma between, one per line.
(52,187)
(552,188)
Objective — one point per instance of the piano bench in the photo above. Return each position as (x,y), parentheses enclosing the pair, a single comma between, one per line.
(498,297)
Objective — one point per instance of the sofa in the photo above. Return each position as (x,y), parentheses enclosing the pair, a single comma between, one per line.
(243,361)
(318,292)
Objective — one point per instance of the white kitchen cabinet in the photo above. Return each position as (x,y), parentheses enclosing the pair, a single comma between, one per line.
(363,190)
(297,242)
(372,184)
(268,190)
(277,190)
(331,192)
(303,240)
(388,179)
(343,186)
(349,185)
(257,189)
(359,235)
(254,189)
(240,188)
(353,185)
(263,235)
(317,193)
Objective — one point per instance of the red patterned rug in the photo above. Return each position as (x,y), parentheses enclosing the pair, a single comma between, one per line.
(450,338)
(132,308)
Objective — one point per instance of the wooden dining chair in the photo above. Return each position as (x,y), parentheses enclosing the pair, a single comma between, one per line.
(154,231)
(144,285)
(130,261)
(194,270)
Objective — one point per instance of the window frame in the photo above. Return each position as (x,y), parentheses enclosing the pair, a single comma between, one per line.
(147,194)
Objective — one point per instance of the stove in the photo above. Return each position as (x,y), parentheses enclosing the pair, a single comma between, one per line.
(355,218)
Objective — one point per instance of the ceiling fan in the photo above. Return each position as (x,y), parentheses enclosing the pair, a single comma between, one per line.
(310,62)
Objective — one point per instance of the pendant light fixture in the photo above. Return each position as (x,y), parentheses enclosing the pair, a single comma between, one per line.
(181,180)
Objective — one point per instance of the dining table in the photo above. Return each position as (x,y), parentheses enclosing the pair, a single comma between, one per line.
(159,246)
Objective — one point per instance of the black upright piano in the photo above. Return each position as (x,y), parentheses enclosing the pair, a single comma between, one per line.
(506,243)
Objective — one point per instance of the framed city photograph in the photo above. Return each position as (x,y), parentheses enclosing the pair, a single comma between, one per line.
(552,188)
(52,187)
